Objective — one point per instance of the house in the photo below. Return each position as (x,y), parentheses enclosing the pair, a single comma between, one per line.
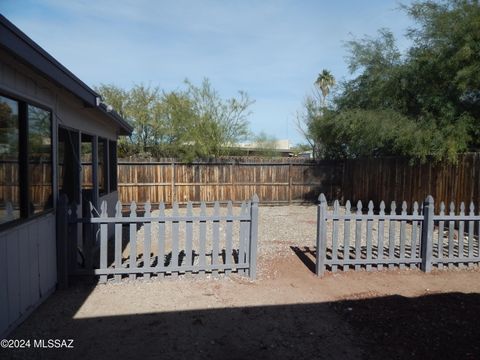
(56,137)
(280,148)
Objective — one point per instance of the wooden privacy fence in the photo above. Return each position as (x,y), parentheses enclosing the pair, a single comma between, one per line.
(175,241)
(374,240)
(277,182)
(293,180)
(395,179)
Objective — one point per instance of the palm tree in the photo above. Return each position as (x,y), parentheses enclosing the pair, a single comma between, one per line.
(325,81)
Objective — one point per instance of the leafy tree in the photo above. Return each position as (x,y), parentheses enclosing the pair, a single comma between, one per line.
(121,101)
(305,123)
(423,103)
(219,123)
(265,145)
(188,124)
(314,106)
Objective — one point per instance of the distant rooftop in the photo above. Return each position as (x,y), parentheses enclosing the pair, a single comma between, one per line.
(277,145)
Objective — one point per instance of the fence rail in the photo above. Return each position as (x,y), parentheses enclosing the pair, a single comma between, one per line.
(168,242)
(349,239)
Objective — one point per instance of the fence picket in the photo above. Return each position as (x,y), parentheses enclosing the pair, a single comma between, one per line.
(189,236)
(133,240)
(369,235)
(441,234)
(248,230)
(242,238)
(118,241)
(346,235)
(203,239)
(426,250)
(336,207)
(451,231)
(147,239)
(478,232)
(358,234)
(103,242)
(402,234)
(381,235)
(252,255)
(89,234)
(470,233)
(175,238)
(229,238)
(461,233)
(414,242)
(216,236)
(161,239)
(321,240)
(391,235)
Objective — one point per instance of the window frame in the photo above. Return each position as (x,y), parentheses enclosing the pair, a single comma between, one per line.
(23,154)
(112,166)
(104,161)
(109,162)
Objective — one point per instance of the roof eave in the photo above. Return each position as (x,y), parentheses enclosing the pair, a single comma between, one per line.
(31,54)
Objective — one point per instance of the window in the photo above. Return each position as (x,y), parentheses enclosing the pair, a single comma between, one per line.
(106,169)
(9,160)
(25,160)
(39,159)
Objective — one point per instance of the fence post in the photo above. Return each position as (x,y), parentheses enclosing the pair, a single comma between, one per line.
(427,234)
(253,236)
(62,239)
(290,183)
(321,235)
(172,185)
(103,242)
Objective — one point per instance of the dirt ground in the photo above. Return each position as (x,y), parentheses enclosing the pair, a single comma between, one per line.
(287,313)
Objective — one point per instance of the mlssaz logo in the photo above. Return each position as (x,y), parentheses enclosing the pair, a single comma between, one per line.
(53,343)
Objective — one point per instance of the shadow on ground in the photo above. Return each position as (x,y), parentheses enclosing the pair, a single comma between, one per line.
(394,327)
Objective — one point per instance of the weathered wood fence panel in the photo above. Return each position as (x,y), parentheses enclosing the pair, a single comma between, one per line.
(277,182)
(293,180)
(280,181)
(395,179)
(373,240)
(176,241)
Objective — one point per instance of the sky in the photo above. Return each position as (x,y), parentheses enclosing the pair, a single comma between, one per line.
(273,50)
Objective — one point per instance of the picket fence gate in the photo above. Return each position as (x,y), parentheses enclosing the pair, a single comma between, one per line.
(375,240)
(170,241)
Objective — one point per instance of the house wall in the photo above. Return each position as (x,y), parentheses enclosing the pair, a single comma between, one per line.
(28,251)
(28,269)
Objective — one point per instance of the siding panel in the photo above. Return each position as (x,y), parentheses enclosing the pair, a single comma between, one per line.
(4,321)
(13,280)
